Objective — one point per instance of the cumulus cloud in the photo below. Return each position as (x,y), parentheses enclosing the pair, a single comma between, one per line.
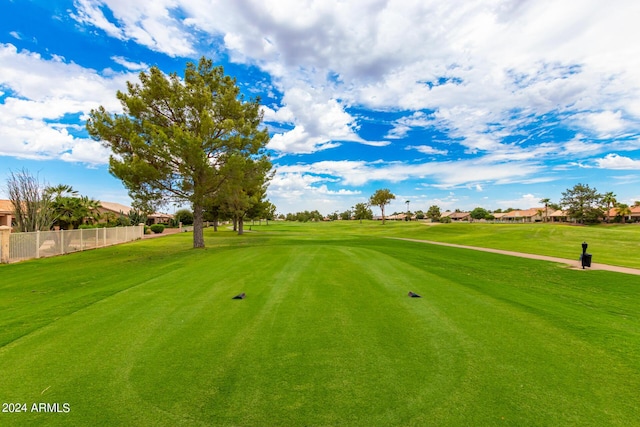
(485,69)
(151,24)
(43,92)
(615,161)
(319,124)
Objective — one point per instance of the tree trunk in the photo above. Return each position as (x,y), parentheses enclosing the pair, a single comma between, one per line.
(198,227)
(382,210)
(240,226)
(215,224)
(235,224)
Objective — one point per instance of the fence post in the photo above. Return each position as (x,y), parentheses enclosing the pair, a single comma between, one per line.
(141,230)
(37,244)
(104,236)
(5,232)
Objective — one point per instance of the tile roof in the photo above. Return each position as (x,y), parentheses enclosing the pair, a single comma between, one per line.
(6,206)
(115,207)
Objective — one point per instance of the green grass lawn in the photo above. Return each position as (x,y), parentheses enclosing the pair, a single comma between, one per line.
(147,333)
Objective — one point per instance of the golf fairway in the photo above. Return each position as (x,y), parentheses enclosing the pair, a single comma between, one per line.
(148,334)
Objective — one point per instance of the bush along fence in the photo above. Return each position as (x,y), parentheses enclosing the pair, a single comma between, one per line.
(40,244)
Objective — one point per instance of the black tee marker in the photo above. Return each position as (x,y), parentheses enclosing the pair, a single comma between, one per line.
(414,295)
(239,296)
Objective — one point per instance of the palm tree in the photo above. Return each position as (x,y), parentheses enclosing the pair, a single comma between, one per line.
(610,200)
(407,202)
(71,210)
(624,211)
(546,208)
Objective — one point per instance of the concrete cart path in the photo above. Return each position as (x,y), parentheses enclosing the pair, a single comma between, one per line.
(571,263)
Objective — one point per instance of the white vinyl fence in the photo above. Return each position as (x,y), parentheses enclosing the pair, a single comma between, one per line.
(40,244)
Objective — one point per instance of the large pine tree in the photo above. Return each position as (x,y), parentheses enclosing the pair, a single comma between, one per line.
(175,138)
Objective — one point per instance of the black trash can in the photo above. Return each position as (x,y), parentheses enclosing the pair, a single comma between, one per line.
(586,260)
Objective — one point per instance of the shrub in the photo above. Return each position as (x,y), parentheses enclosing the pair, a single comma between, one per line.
(445,220)
(157,228)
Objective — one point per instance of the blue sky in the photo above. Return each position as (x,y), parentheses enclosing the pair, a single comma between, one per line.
(457,104)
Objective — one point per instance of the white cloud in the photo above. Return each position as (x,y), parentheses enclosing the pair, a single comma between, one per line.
(87,151)
(134,66)
(526,201)
(615,161)
(151,24)
(319,123)
(486,69)
(604,124)
(446,174)
(43,92)
(426,149)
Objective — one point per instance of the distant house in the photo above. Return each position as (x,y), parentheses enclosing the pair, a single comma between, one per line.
(498,215)
(456,216)
(558,216)
(633,217)
(6,212)
(117,209)
(528,215)
(158,218)
(460,216)
(396,217)
(114,208)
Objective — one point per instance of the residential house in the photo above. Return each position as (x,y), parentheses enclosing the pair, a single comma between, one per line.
(497,216)
(116,209)
(460,216)
(528,215)
(558,216)
(633,217)
(159,218)
(6,212)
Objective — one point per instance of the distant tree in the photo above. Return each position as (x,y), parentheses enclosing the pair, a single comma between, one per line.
(419,214)
(583,203)
(269,211)
(305,216)
(244,194)
(31,202)
(609,200)
(177,135)
(479,213)
(333,216)
(185,216)
(362,211)
(346,215)
(545,202)
(381,198)
(434,213)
